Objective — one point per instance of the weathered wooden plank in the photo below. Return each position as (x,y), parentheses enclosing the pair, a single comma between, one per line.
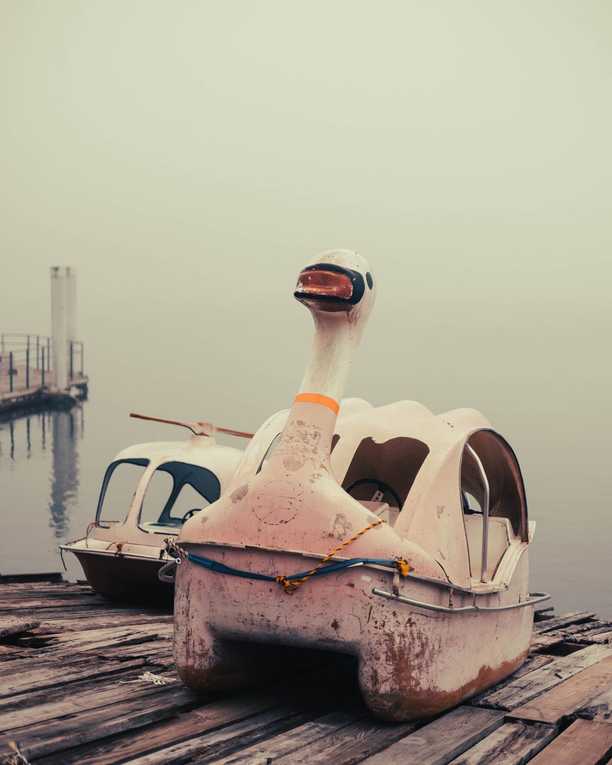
(563,621)
(441,740)
(66,601)
(32,661)
(583,743)
(91,725)
(514,743)
(198,721)
(93,635)
(10,651)
(10,589)
(566,698)
(533,661)
(599,708)
(161,660)
(151,650)
(223,741)
(35,707)
(109,635)
(104,620)
(597,636)
(94,640)
(546,640)
(35,593)
(86,613)
(285,743)
(11,626)
(350,744)
(523,689)
(45,640)
(62,673)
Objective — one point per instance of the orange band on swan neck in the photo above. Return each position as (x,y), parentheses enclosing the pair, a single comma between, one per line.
(317,398)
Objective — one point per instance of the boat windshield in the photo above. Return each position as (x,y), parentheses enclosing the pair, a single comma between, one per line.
(118,487)
(174,491)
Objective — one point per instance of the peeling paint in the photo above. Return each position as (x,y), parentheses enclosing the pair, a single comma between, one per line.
(239,493)
(341,527)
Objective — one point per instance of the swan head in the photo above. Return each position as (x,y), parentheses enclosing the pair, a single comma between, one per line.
(338,283)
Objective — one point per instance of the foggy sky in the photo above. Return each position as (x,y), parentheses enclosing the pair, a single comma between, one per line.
(187,158)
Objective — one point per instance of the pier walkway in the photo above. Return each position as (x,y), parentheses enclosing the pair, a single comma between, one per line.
(84,681)
(27,376)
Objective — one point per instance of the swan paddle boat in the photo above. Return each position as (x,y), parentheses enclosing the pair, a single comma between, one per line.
(391,534)
(147,493)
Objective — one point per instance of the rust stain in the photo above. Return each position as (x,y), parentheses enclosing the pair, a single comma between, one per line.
(410,701)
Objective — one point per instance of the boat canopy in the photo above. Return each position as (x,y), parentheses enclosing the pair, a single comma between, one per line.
(427,468)
(159,484)
(431,468)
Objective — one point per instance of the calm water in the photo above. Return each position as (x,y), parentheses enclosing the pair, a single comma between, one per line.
(51,464)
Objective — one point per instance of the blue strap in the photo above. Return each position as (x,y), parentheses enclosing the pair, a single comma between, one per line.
(221,568)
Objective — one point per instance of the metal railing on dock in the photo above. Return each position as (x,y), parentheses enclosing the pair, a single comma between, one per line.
(26,365)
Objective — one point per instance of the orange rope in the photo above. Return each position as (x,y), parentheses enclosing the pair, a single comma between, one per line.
(290,585)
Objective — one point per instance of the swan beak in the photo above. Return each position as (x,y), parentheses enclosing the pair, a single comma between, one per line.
(333,287)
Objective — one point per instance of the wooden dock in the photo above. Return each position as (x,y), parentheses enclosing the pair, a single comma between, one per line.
(82,681)
(27,378)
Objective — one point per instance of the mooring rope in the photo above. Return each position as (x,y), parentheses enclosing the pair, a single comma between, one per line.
(291,582)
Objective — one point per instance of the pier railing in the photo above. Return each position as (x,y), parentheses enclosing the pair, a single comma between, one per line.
(26,362)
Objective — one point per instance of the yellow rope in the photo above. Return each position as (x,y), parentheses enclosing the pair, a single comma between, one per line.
(291,585)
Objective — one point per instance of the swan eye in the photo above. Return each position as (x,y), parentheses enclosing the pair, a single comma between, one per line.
(327,284)
(369,280)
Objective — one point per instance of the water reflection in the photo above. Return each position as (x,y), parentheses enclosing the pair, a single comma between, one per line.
(64,470)
(31,435)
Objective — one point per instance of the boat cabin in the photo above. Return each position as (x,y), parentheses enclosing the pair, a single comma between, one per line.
(154,488)
(147,493)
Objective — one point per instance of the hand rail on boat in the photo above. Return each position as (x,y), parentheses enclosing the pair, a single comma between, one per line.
(534,597)
(484,563)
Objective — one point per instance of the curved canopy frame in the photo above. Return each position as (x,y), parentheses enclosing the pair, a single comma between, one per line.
(507,489)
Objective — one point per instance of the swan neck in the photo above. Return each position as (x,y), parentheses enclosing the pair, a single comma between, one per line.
(306,440)
(330,360)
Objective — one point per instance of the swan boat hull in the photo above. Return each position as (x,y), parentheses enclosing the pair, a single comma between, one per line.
(414,662)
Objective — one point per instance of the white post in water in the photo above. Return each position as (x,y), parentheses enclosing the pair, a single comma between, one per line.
(58,327)
(71,321)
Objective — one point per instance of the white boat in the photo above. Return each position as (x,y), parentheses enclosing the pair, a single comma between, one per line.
(352,532)
(148,491)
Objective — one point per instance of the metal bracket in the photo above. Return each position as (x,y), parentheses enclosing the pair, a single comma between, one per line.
(164,572)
